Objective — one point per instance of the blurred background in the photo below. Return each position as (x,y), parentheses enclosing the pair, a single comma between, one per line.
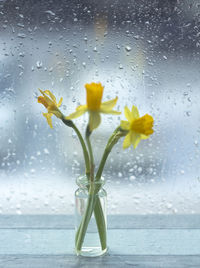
(145,52)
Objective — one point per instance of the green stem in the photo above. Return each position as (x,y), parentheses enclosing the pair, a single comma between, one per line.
(87,137)
(86,219)
(98,212)
(100,220)
(117,134)
(101,224)
(93,203)
(84,148)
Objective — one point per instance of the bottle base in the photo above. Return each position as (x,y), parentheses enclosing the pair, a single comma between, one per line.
(91,252)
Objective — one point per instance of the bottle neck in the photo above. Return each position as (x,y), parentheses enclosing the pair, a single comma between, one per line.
(84,183)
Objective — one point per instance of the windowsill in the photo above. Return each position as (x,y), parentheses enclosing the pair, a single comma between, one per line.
(47,241)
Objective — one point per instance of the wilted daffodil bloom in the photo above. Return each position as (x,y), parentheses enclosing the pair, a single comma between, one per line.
(52,106)
(94,105)
(138,127)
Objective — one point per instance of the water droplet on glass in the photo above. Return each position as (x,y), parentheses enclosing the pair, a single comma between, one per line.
(196,142)
(39,64)
(169,205)
(50,12)
(46,151)
(132,178)
(119,174)
(21,35)
(136,37)
(128,48)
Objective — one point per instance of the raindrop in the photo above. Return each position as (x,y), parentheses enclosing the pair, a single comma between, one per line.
(18,206)
(119,174)
(132,178)
(46,203)
(128,48)
(136,37)
(21,35)
(18,211)
(196,142)
(50,12)
(20,25)
(46,151)
(39,64)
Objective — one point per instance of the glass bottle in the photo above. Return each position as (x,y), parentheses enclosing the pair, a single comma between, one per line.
(94,243)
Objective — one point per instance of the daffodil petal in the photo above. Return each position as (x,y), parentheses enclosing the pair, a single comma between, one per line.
(41,91)
(47,99)
(128,114)
(108,105)
(49,120)
(127,141)
(94,120)
(76,114)
(56,112)
(125,125)
(135,139)
(48,92)
(60,102)
(42,100)
(109,112)
(144,137)
(81,107)
(135,112)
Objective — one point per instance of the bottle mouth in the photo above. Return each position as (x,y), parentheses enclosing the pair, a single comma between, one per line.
(82,182)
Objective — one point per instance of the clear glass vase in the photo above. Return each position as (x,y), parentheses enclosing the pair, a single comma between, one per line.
(90,233)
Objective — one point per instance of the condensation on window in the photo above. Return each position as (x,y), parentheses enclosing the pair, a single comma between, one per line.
(144,52)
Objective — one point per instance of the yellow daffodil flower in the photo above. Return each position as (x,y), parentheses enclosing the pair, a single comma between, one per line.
(138,127)
(52,106)
(94,106)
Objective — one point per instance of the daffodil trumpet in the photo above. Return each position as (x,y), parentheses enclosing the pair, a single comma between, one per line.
(95,106)
(138,128)
(134,129)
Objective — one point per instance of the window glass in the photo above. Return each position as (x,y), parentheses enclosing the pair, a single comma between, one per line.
(144,52)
